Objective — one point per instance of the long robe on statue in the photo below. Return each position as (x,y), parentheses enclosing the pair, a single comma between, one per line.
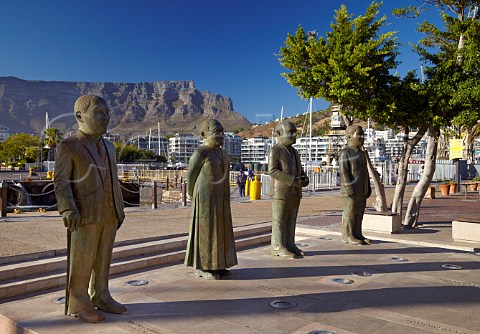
(211,244)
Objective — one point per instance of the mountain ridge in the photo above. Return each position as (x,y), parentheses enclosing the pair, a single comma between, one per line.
(134,107)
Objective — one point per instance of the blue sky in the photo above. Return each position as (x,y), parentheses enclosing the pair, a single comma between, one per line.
(224,46)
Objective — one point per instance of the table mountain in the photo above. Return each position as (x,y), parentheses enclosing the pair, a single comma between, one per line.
(134,107)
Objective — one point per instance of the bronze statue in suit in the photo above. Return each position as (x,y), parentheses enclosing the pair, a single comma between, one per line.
(355,186)
(90,201)
(286,181)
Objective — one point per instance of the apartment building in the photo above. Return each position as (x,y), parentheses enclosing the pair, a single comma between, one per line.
(182,146)
(160,147)
(319,148)
(255,150)
(233,146)
(4,133)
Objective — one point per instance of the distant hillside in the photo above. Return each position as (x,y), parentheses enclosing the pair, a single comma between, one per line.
(134,107)
(320,124)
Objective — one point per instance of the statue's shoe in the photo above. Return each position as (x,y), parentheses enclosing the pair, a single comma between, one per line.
(297,251)
(285,254)
(367,241)
(352,241)
(90,315)
(207,274)
(224,272)
(110,306)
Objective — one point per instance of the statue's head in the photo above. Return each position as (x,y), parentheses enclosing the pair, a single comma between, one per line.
(355,135)
(92,115)
(286,133)
(211,131)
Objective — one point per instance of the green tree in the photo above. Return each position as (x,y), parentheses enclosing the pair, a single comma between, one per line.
(350,67)
(127,153)
(451,54)
(52,137)
(14,147)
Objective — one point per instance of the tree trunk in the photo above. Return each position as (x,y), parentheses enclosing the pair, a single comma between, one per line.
(472,134)
(408,145)
(413,209)
(380,203)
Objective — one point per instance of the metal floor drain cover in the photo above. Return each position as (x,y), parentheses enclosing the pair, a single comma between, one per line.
(136,282)
(399,259)
(452,266)
(342,280)
(59,300)
(325,238)
(302,245)
(320,331)
(362,273)
(283,304)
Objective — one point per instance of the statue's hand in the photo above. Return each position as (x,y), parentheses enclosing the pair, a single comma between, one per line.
(297,183)
(304,181)
(349,192)
(71,220)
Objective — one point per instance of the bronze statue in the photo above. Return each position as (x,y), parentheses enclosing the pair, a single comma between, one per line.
(287,180)
(211,244)
(355,186)
(90,201)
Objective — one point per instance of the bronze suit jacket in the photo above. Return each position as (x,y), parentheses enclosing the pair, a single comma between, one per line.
(283,166)
(78,180)
(354,171)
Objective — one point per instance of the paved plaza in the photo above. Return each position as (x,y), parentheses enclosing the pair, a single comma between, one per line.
(417,281)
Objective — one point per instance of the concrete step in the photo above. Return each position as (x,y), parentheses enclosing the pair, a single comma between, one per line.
(31,276)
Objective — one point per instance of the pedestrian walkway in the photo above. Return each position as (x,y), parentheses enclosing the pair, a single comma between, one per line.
(393,286)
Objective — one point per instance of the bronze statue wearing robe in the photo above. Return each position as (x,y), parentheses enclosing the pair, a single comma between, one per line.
(211,244)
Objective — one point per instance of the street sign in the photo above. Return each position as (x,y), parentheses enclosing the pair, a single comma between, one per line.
(456,149)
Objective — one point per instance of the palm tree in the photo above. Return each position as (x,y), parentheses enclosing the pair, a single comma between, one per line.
(52,137)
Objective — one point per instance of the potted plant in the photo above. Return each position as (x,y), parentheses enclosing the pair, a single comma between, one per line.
(474,184)
(445,188)
(453,187)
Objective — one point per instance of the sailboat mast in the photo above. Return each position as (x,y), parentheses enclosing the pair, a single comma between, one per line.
(159,148)
(149,139)
(47,121)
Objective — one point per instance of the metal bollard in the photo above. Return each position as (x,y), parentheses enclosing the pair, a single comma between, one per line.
(154,195)
(3,198)
(184,193)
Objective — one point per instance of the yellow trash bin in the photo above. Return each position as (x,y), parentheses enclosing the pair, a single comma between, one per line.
(247,187)
(255,189)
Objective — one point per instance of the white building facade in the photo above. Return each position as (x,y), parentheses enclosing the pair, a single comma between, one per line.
(233,146)
(182,146)
(4,133)
(255,150)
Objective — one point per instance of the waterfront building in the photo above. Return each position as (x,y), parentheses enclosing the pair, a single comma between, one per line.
(393,148)
(233,146)
(336,120)
(182,146)
(255,150)
(476,150)
(152,144)
(4,133)
(112,137)
(321,148)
